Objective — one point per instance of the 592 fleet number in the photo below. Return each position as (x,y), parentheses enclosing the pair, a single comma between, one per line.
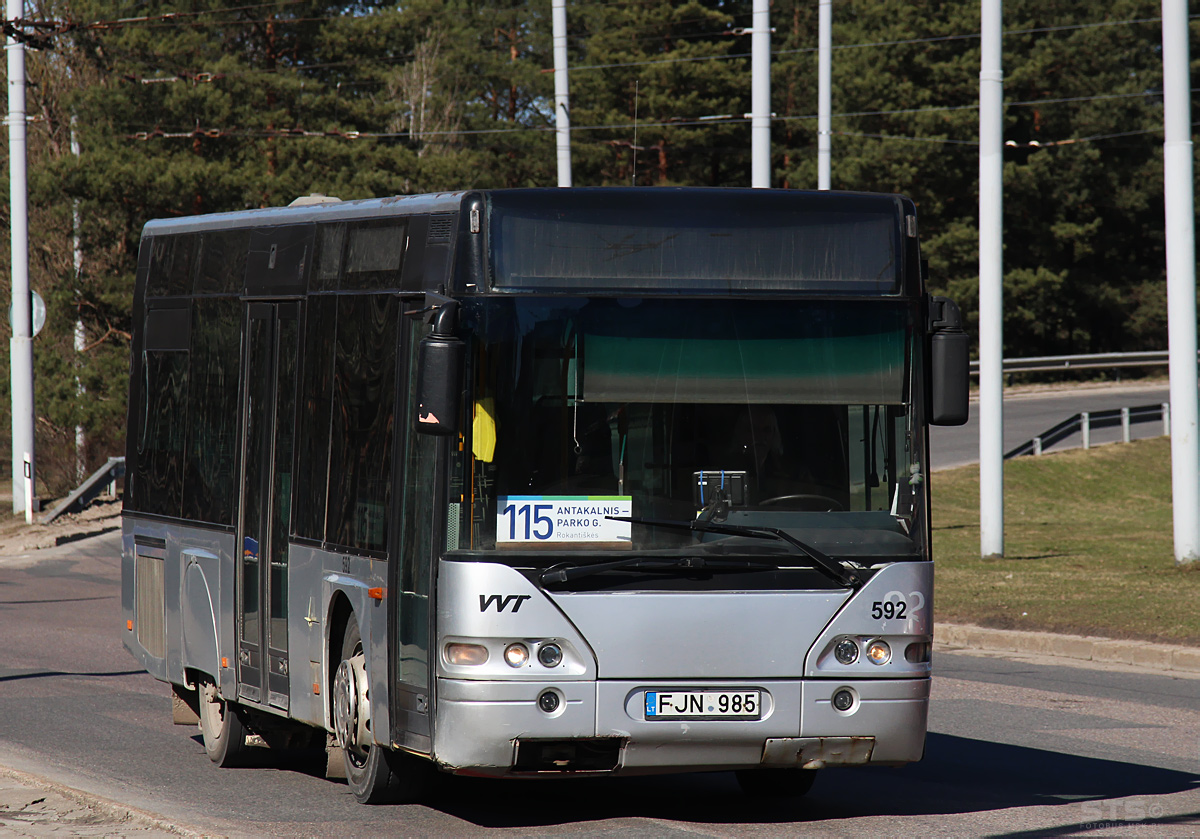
(889,610)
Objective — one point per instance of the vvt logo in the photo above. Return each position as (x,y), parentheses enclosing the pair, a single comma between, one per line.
(502,601)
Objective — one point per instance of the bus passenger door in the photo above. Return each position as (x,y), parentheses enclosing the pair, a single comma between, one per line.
(268,421)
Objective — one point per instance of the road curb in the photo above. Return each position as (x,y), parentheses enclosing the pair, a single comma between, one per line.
(105,816)
(1165,657)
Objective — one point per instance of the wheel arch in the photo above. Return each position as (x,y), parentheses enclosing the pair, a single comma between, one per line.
(341,612)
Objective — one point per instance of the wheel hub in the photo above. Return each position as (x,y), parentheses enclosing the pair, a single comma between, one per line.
(352,705)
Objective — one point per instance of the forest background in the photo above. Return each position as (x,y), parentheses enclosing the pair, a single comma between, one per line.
(180,108)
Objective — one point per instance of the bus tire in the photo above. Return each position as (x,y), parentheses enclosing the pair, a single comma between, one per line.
(775,783)
(376,775)
(221,727)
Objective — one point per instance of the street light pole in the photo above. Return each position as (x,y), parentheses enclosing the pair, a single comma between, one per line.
(991,284)
(562,112)
(21,343)
(1181,281)
(824,92)
(760,96)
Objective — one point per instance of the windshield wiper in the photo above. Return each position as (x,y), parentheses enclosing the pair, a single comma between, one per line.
(563,574)
(822,562)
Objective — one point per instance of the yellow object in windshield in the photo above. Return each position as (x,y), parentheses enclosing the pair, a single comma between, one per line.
(483,430)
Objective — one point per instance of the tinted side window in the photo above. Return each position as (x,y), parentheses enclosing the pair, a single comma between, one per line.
(222,262)
(316,390)
(163,421)
(327,269)
(362,426)
(210,466)
(172,265)
(278,259)
(374,255)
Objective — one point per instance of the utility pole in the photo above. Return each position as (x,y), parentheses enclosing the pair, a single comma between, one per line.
(21,343)
(991,284)
(562,113)
(824,92)
(1181,281)
(760,96)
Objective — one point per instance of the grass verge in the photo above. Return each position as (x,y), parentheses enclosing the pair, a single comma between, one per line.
(1089,547)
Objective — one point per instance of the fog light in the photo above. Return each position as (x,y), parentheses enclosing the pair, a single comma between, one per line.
(846,651)
(878,652)
(466,654)
(550,655)
(843,699)
(548,701)
(515,655)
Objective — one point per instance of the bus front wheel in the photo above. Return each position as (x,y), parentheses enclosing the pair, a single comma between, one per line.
(376,775)
(221,727)
(775,783)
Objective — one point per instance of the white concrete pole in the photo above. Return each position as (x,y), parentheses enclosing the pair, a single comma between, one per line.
(991,284)
(562,111)
(1181,281)
(21,343)
(824,92)
(760,96)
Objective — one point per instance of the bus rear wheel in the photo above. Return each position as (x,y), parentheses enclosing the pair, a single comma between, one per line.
(775,783)
(376,775)
(221,727)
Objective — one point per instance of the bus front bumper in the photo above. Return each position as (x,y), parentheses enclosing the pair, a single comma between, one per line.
(498,728)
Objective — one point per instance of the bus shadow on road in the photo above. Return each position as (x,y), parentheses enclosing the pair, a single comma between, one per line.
(958,775)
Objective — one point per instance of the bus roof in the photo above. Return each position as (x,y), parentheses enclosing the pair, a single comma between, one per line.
(402,205)
(441,202)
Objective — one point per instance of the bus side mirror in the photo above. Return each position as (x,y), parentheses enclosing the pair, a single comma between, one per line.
(439,375)
(949,356)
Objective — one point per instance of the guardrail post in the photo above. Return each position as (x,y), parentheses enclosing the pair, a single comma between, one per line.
(1166,418)
(1124,425)
(1085,426)
(1037,445)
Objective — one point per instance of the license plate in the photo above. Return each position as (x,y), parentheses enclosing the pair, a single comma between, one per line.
(703,705)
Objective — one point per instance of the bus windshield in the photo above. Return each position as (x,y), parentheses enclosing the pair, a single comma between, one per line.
(586,408)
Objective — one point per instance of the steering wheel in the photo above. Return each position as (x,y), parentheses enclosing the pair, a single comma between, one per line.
(829,504)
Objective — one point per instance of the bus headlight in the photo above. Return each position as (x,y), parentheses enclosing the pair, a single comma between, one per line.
(846,651)
(515,655)
(878,652)
(550,655)
(466,654)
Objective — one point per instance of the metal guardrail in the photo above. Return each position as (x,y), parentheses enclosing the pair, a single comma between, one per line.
(1087,420)
(105,477)
(1151,358)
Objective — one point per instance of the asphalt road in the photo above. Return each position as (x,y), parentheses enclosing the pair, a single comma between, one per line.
(1027,415)
(1017,749)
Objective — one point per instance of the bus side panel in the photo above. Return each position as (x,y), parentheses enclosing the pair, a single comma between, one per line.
(177,589)
(315,578)
(144,595)
(308,633)
(206,559)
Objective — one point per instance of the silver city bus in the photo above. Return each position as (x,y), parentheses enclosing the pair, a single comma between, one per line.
(541,482)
